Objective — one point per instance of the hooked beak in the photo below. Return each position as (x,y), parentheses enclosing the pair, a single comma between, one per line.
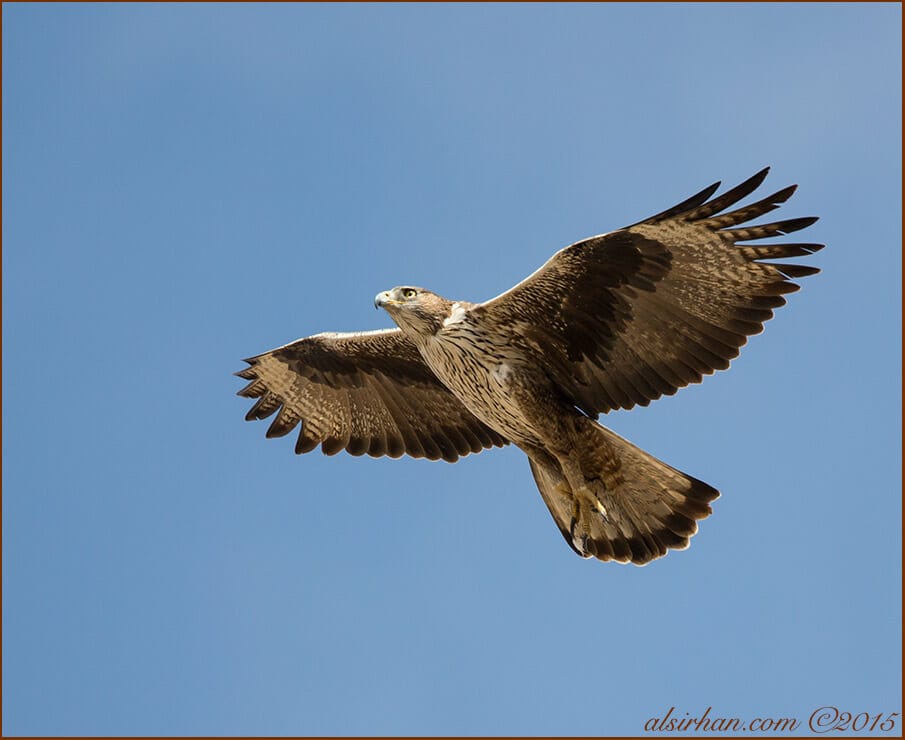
(384,299)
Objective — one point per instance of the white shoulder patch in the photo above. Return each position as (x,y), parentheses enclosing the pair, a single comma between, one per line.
(501,373)
(456,316)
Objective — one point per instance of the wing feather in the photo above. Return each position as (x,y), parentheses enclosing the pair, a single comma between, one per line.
(367,392)
(626,317)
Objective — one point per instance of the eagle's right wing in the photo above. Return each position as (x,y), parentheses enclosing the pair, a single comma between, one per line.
(626,317)
(364,392)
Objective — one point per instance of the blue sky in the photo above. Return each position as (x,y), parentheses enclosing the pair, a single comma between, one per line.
(185,186)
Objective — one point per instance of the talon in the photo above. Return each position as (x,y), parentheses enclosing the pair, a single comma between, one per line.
(595,501)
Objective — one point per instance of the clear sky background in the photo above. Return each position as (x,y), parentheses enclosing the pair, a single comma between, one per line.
(185,186)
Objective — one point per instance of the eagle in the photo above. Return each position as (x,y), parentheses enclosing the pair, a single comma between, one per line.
(610,322)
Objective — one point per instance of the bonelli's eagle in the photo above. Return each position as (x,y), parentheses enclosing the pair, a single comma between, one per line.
(607,323)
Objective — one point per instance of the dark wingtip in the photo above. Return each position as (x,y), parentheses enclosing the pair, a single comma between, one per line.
(747,187)
(794,271)
(796,224)
(690,203)
(783,195)
(304,444)
(759,177)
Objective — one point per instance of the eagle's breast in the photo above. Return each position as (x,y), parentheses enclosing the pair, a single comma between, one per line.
(481,372)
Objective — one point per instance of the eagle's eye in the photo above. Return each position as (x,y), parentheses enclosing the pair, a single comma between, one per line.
(409,293)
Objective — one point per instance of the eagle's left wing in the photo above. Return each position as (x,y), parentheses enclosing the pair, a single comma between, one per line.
(363,392)
(626,317)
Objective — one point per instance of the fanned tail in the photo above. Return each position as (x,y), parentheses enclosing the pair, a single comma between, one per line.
(632,508)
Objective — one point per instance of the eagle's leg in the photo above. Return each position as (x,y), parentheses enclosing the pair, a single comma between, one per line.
(586,485)
(570,511)
(577,498)
(571,451)
(568,439)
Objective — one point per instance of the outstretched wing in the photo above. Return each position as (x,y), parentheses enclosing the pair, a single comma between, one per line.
(626,317)
(367,392)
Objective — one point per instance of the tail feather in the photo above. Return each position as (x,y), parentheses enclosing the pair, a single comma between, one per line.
(631,507)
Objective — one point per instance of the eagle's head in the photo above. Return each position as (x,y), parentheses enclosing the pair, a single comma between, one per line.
(415,310)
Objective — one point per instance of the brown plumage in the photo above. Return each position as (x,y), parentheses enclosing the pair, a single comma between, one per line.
(607,323)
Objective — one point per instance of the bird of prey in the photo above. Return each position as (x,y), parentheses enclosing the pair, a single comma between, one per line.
(607,323)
